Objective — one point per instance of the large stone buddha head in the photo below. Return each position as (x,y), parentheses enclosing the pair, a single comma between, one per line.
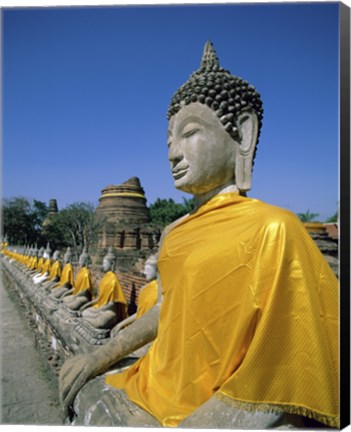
(214,124)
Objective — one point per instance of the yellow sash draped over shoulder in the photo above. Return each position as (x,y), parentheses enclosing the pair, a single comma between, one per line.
(67,275)
(83,281)
(46,266)
(40,264)
(109,291)
(147,298)
(249,314)
(56,270)
(34,263)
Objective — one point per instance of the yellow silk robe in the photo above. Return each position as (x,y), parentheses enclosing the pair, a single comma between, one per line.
(249,314)
(32,264)
(56,270)
(46,266)
(109,291)
(40,264)
(147,298)
(83,281)
(67,275)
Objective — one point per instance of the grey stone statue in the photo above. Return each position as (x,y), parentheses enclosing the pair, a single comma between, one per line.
(203,173)
(214,126)
(75,300)
(104,312)
(40,277)
(64,285)
(150,272)
(45,277)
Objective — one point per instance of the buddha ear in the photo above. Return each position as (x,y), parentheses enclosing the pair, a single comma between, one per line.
(247,124)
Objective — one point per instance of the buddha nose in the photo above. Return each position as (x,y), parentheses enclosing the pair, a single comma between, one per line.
(175,154)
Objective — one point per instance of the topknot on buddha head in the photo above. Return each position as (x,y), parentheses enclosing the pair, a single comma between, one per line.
(227,95)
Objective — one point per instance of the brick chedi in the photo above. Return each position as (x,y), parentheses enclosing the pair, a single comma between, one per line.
(52,210)
(125,226)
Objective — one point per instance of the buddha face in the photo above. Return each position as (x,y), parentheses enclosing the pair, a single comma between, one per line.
(83,260)
(201,152)
(106,265)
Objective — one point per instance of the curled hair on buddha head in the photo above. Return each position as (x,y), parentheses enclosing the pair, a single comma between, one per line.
(227,95)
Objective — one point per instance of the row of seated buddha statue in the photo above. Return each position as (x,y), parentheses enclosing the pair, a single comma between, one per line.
(61,295)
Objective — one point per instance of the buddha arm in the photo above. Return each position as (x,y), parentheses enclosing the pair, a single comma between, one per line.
(126,322)
(87,305)
(70,291)
(79,369)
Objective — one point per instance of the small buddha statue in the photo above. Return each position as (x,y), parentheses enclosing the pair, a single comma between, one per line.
(66,281)
(148,295)
(82,291)
(248,305)
(32,261)
(46,266)
(110,305)
(53,277)
(38,262)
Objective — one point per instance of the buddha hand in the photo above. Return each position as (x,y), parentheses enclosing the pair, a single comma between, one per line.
(75,372)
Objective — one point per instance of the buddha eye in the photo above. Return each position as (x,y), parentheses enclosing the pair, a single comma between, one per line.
(190,132)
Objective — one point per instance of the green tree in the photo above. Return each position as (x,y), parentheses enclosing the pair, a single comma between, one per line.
(76,225)
(165,211)
(23,220)
(335,217)
(307,216)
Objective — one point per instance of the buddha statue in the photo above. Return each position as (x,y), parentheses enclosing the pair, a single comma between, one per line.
(53,277)
(82,291)
(148,295)
(32,260)
(109,307)
(245,335)
(46,266)
(66,281)
(38,262)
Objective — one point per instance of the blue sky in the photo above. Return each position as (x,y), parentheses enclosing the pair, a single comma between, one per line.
(86,91)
